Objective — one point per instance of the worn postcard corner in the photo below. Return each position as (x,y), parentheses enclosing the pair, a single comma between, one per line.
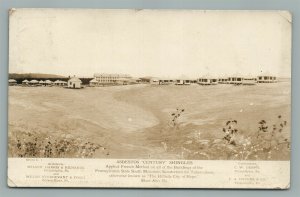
(10,183)
(11,11)
(287,15)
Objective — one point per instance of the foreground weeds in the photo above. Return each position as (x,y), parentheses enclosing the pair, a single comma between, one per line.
(33,144)
(268,142)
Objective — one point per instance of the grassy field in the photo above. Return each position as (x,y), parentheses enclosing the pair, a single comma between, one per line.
(148,121)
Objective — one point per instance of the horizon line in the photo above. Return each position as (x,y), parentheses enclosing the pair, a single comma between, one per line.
(152,76)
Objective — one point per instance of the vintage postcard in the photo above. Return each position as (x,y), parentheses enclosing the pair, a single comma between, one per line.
(149,98)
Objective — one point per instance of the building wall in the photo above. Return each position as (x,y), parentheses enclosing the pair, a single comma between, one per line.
(183,82)
(110,78)
(75,84)
(207,81)
(266,79)
(235,80)
(249,81)
(154,81)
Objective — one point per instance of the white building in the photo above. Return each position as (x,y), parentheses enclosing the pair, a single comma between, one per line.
(123,81)
(110,79)
(249,80)
(207,81)
(33,82)
(166,81)
(237,80)
(154,81)
(74,83)
(63,83)
(266,79)
(41,82)
(93,82)
(60,83)
(183,82)
(12,82)
(25,82)
(222,80)
(48,82)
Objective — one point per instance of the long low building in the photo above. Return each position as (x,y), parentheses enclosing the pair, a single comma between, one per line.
(235,80)
(266,79)
(110,79)
(207,81)
(249,80)
(60,83)
(223,80)
(183,82)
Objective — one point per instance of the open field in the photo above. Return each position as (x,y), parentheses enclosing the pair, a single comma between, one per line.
(136,121)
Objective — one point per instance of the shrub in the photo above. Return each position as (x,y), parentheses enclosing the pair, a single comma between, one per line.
(267,143)
(33,144)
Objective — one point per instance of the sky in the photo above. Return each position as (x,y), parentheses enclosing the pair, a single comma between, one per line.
(160,43)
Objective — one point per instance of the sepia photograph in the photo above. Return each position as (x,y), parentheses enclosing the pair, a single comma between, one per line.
(168,89)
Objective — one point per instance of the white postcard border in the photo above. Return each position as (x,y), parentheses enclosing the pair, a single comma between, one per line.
(137,173)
